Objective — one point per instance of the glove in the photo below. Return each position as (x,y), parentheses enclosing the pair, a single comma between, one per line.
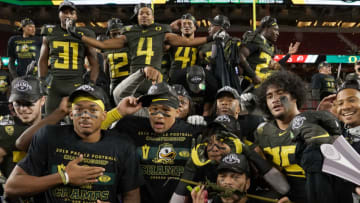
(71,28)
(247,102)
(317,127)
(198,152)
(196,120)
(43,86)
(30,68)
(220,34)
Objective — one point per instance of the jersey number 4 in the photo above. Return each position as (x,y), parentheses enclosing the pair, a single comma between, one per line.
(147,50)
(63,61)
(185,58)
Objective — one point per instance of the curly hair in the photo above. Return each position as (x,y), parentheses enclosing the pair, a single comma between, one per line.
(287,81)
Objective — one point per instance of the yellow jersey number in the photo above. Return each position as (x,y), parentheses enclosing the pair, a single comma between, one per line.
(65,55)
(281,158)
(147,50)
(262,75)
(185,59)
(115,68)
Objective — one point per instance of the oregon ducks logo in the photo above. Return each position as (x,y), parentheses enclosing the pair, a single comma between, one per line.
(24,48)
(166,154)
(9,130)
(50,30)
(104,178)
(184,154)
(158,28)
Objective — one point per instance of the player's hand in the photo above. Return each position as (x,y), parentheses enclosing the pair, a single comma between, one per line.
(284,200)
(71,28)
(128,105)
(327,104)
(220,34)
(274,65)
(152,74)
(30,68)
(176,25)
(293,48)
(247,101)
(65,106)
(43,86)
(358,190)
(256,80)
(199,195)
(80,175)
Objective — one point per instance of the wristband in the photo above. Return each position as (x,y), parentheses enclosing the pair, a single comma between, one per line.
(62,175)
(66,177)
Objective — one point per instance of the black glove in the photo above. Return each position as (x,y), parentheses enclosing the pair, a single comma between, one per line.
(198,152)
(317,127)
(43,86)
(71,28)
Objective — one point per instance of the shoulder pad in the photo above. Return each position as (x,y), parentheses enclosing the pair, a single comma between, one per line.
(127,28)
(6,120)
(260,128)
(47,29)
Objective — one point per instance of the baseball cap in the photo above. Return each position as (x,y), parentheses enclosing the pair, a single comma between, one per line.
(24,22)
(160,93)
(237,163)
(195,77)
(67,4)
(181,91)
(322,64)
(138,7)
(188,16)
(25,88)
(228,89)
(352,84)
(88,90)
(221,20)
(225,122)
(113,24)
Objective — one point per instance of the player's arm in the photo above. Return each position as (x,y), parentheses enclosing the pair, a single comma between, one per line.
(94,65)
(12,67)
(244,52)
(132,196)
(23,142)
(21,183)
(177,40)
(43,59)
(2,154)
(115,43)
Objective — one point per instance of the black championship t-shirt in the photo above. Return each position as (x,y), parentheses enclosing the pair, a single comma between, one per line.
(163,156)
(24,50)
(54,146)
(10,129)
(325,83)
(4,85)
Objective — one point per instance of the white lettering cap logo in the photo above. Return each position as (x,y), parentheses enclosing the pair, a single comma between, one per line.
(223,119)
(22,86)
(196,79)
(298,122)
(231,159)
(86,88)
(152,89)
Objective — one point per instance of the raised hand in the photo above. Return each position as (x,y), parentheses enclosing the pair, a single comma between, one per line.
(128,105)
(293,48)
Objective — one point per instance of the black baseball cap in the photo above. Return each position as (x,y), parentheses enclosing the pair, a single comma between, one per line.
(160,93)
(181,91)
(25,88)
(225,122)
(237,163)
(228,89)
(88,90)
(67,4)
(188,16)
(195,77)
(221,20)
(138,7)
(24,22)
(323,64)
(352,84)
(113,24)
